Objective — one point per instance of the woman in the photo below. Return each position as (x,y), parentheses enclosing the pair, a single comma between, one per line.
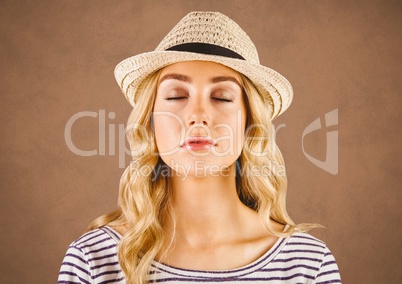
(204,197)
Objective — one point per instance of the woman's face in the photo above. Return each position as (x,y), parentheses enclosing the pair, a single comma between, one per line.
(199,117)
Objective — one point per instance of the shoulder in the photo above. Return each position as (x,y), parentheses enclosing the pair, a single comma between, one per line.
(305,239)
(96,239)
(313,253)
(93,256)
(96,243)
(307,245)
(303,247)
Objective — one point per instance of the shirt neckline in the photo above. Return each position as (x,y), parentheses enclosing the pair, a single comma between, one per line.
(236,272)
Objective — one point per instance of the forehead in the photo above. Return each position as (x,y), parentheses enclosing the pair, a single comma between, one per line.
(200,69)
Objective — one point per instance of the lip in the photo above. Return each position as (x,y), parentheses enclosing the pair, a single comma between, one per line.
(195,143)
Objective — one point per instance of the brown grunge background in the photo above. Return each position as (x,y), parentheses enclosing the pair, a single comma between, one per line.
(57,60)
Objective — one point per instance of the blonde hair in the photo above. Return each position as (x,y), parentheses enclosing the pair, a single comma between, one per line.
(144,199)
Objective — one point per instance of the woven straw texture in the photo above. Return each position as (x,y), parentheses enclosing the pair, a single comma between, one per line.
(212,28)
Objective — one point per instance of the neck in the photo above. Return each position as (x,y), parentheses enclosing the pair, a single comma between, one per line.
(206,209)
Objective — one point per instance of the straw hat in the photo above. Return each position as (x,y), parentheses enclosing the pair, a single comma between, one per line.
(207,36)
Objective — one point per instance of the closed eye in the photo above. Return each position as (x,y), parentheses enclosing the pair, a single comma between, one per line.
(221,99)
(175,98)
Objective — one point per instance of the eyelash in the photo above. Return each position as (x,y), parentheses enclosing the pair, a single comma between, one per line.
(181,98)
(222,100)
(175,98)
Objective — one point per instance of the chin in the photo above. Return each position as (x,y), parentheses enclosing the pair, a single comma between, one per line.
(200,168)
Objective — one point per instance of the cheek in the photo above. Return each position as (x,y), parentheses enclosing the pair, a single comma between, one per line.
(235,121)
(231,133)
(168,131)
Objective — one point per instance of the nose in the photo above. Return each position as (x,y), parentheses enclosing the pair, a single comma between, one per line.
(198,115)
(196,122)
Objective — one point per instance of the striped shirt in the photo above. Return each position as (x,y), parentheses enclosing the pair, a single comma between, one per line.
(299,258)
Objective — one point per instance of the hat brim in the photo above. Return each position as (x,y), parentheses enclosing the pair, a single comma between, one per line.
(273,87)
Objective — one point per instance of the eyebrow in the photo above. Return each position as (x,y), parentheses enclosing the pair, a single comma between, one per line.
(226,78)
(187,79)
(175,76)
